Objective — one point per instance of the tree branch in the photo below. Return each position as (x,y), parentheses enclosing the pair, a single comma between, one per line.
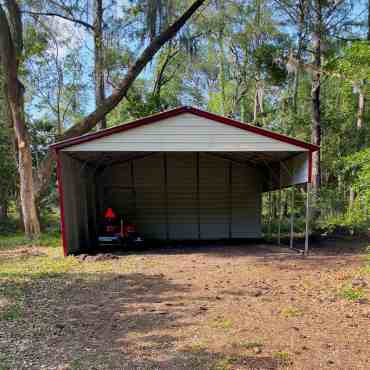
(70,19)
(90,121)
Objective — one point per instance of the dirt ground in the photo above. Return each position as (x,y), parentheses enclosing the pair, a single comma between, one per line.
(206,307)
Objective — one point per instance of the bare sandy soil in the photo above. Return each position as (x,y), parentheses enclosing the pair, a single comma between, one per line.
(211,307)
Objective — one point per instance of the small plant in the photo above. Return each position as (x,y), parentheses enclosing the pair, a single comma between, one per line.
(291,312)
(252,345)
(198,346)
(352,294)
(12,313)
(225,364)
(282,357)
(75,365)
(224,324)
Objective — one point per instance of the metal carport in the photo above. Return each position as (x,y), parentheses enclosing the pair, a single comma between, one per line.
(183,174)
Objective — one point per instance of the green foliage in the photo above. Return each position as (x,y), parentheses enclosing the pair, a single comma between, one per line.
(352,294)
(8,169)
(354,61)
(283,357)
(16,239)
(12,313)
(358,169)
(351,223)
(252,345)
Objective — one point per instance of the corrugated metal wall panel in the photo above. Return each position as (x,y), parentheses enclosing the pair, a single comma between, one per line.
(246,202)
(186,133)
(117,190)
(214,197)
(150,196)
(77,201)
(182,196)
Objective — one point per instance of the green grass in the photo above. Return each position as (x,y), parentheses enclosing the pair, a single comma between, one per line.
(291,312)
(13,293)
(20,269)
(19,239)
(352,294)
(224,364)
(76,365)
(283,358)
(223,324)
(252,345)
(199,346)
(12,313)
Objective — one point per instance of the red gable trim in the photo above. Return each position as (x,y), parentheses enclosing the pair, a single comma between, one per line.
(61,205)
(175,112)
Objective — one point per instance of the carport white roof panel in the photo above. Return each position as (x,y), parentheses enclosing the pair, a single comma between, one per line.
(185,129)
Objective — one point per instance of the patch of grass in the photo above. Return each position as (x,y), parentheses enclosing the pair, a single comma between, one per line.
(352,294)
(252,345)
(13,294)
(224,364)
(367,268)
(36,267)
(291,312)
(75,365)
(282,357)
(4,364)
(18,239)
(11,313)
(13,241)
(307,284)
(223,324)
(198,345)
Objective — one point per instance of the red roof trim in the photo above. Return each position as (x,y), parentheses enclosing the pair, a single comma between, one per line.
(175,112)
(61,205)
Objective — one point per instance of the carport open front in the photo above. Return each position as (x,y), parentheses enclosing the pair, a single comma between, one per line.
(174,194)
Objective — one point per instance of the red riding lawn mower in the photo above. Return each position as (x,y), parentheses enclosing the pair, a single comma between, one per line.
(115,232)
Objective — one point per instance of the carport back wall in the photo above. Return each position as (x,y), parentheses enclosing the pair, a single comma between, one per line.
(185,196)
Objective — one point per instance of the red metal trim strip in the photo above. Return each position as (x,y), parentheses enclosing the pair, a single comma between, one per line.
(61,203)
(310,167)
(175,112)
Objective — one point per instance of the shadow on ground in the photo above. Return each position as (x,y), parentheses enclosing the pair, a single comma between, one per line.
(109,321)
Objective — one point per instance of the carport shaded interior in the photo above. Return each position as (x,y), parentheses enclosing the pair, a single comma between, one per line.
(169,196)
(101,159)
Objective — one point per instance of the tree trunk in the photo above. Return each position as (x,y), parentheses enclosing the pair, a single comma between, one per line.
(361,108)
(11,48)
(99,59)
(258,97)
(109,103)
(302,14)
(25,169)
(221,45)
(258,101)
(315,97)
(222,77)
(351,199)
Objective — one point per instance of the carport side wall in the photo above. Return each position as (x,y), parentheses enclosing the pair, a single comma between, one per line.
(186,196)
(78,204)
